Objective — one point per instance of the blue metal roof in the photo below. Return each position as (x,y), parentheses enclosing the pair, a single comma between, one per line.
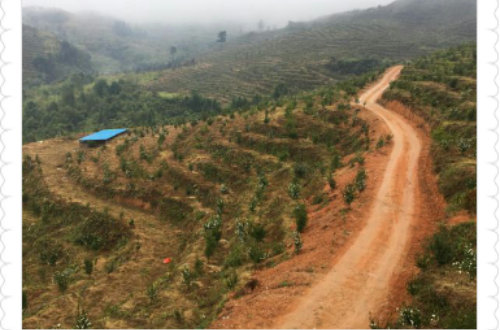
(104,135)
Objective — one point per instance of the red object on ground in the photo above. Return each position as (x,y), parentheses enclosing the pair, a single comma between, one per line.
(167,260)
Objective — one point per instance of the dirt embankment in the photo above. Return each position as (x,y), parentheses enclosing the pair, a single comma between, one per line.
(357,264)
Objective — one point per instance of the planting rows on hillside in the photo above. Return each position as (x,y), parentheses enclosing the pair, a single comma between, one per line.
(235,188)
(309,55)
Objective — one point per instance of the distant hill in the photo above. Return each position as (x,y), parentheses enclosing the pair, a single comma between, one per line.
(117,46)
(307,55)
(47,59)
(245,71)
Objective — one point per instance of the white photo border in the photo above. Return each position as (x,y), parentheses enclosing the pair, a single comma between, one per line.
(10,164)
(488,280)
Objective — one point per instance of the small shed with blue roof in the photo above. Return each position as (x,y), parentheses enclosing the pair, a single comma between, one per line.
(101,137)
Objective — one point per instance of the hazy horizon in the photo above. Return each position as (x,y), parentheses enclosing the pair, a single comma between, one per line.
(273,13)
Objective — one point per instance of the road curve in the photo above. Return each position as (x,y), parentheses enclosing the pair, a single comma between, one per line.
(360,282)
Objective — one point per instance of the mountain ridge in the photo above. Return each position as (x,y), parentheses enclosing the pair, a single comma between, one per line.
(297,55)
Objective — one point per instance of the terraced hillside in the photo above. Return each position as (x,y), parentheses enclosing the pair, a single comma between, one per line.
(439,93)
(220,198)
(47,59)
(308,55)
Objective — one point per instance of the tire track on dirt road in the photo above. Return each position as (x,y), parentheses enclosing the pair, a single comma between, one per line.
(359,284)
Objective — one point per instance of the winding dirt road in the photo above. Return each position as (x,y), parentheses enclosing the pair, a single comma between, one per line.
(360,282)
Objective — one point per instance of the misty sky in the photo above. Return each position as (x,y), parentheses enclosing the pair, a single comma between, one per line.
(273,12)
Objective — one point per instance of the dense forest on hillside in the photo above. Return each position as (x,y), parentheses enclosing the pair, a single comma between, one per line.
(441,88)
(84,104)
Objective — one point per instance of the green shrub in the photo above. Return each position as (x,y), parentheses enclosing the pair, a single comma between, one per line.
(297,242)
(441,246)
(331,181)
(235,257)
(415,286)
(256,253)
(198,267)
(458,185)
(253,204)
(220,207)
(178,316)
(49,251)
(423,261)
(24,300)
(88,266)
(213,233)
(283,155)
(360,180)
(242,228)
(80,156)
(318,199)
(110,266)
(257,231)
(457,245)
(152,293)
(335,162)
(82,321)
(231,279)
(210,244)
(266,117)
(380,143)
(300,214)
(161,139)
(349,193)
(144,155)
(300,170)
(294,190)
(410,316)
(187,276)
(467,263)
(62,280)
(224,189)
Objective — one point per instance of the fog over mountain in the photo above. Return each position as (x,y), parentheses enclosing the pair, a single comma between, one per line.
(273,13)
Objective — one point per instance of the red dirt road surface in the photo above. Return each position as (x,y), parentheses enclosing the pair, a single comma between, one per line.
(360,281)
